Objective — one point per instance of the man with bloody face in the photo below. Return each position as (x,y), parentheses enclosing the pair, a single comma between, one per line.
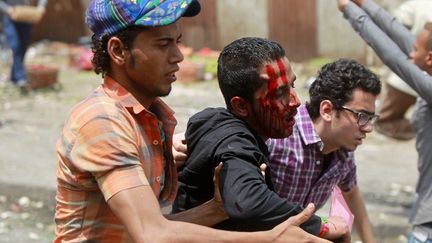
(257,82)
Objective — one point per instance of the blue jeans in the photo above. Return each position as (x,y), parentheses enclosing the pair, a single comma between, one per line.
(18,37)
(412,239)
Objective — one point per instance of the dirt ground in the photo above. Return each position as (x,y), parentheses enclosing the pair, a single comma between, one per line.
(30,125)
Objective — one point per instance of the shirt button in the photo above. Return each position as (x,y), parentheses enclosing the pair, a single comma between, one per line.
(155,142)
(318,162)
(158,178)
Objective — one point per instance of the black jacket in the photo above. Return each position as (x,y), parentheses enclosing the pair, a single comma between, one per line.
(216,135)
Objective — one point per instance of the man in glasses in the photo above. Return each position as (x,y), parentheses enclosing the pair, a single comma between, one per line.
(319,154)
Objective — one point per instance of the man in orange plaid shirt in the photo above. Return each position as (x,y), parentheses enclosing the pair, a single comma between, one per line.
(115,167)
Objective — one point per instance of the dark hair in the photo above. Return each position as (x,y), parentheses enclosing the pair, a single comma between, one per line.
(101,58)
(239,65)
(336,82)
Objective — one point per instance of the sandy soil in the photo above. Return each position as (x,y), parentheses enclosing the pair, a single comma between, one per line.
(29,127)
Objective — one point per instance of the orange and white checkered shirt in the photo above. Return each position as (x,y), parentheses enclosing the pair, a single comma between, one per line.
(110,143)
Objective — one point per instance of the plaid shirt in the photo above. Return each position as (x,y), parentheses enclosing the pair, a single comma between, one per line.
(110,143)
(298,169)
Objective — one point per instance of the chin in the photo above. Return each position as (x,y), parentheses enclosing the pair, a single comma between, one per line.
(165,92)
(282,134)
(350,148)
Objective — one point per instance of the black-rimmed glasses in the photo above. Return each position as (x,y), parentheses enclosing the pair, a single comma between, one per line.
(363,118)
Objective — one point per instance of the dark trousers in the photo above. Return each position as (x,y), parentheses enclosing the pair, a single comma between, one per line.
(18,37)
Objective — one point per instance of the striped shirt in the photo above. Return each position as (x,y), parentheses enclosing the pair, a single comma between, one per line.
(110,143)
(301,173)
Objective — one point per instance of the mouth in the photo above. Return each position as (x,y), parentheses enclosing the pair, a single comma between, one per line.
(171,75)
(290,120)
(360,140)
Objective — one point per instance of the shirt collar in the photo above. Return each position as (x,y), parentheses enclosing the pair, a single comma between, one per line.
(306,128)
(117,92)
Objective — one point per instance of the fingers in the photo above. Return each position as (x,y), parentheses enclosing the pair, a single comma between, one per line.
(303,216)
(216,180)
(179,142)
(216,176)
(179,149)
(263,168)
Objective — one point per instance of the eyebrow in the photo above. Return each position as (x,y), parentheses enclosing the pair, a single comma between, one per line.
(366,111)
(167,38)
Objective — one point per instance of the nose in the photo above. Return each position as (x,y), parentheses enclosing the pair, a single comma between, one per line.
(176,56)
(368,128)
(411,55)
(294,99)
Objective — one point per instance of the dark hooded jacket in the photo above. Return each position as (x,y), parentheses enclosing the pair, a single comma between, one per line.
(216,135)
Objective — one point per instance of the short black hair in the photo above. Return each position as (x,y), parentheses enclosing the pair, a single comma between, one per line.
(101,58)
(239,65)
(336,82)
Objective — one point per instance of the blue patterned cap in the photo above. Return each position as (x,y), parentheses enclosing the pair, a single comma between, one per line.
(106,17)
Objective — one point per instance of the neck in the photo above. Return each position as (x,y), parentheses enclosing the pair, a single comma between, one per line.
(142,98)
(321,127)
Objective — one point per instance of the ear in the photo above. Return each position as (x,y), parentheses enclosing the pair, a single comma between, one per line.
(326,110)
(240,106)
(116,50)
(429,58)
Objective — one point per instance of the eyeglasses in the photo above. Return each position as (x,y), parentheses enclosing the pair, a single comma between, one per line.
(362,117)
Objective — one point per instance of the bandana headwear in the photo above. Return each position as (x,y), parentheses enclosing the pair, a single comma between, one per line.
(106,17)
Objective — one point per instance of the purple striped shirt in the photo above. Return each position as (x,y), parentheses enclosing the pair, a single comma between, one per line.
(298,169)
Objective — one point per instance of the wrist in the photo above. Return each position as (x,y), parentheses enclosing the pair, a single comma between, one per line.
(324,227)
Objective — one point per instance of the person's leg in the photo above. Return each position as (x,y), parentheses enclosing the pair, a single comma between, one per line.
(18,37)
(394,104)
(24,35)
(11,35)
(392,121)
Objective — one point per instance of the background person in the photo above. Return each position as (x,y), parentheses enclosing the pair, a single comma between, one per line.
(411,59)
(399,96)
(18,36)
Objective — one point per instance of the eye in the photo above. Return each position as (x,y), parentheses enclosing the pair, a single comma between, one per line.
(164,43)
(282,91)
(363,118)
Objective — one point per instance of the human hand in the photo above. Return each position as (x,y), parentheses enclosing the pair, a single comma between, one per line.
(358,2)
(342,4)
(217,197)
(179,149)
(338,230)
(263,168)
(289,230)
(11,12)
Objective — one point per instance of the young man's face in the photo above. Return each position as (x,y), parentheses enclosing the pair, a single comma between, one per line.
(153,61)
(276,102)
(345,129)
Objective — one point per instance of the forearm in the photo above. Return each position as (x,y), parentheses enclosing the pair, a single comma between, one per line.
(362,224)
(389,52)
(207,214)
(186,232)
(390,25)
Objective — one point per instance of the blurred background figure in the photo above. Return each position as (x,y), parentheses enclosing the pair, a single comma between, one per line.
(398,96)
(19,16)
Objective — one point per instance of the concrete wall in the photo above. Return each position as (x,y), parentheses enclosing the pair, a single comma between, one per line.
(336,38)
(240,18)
